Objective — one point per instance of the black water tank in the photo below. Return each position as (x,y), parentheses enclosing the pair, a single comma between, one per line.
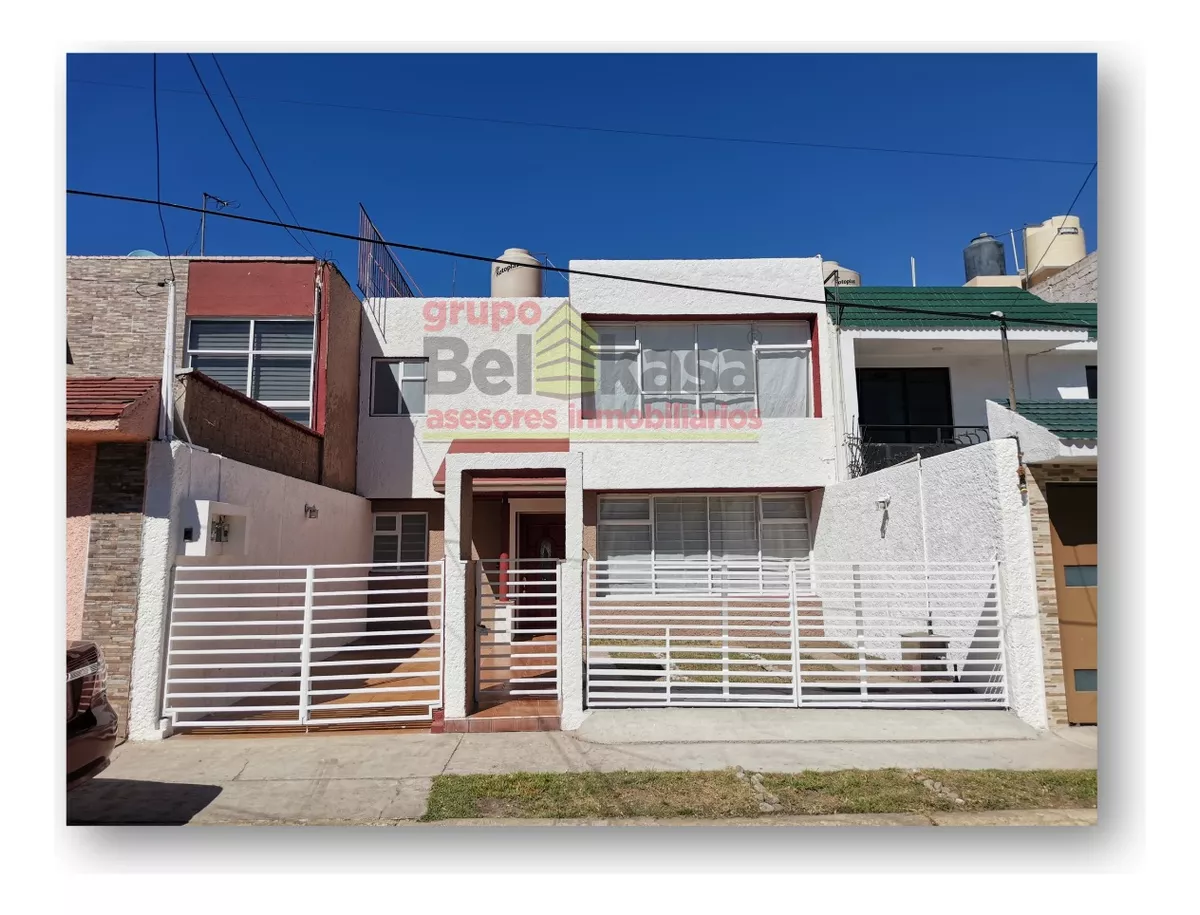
(984,257)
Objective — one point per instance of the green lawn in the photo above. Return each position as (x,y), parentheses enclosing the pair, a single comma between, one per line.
(716,795)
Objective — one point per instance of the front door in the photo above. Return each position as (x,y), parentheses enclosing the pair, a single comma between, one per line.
(1073,537)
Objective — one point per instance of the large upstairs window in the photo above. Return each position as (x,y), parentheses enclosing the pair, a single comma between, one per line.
(268,359)
(673,368)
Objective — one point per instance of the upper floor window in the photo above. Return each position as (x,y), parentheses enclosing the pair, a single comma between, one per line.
(1091,380)
(675,367)
(269,359)
(398,387)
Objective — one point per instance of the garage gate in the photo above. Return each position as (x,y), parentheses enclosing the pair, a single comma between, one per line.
(820,634)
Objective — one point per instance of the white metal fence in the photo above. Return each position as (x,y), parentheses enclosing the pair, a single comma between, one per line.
(288,646)
(517,634)
(841,634)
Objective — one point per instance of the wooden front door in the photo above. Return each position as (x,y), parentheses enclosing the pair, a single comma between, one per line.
(1073,533)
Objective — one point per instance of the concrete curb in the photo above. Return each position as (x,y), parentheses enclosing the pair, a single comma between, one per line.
(1049,817)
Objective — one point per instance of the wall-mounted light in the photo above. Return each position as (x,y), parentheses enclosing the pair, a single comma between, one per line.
(883,502)
(310,511)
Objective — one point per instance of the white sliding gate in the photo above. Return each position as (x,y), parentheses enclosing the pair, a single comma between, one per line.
(289,646)
(839,634)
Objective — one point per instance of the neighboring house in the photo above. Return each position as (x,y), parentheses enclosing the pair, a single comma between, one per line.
(918,381)
(243,327)
(1079,282)
(281,331)
(1058,444)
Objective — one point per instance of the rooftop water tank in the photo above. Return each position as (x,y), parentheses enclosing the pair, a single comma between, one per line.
(511,280)
(837,275)
(984,256)
(1053,246)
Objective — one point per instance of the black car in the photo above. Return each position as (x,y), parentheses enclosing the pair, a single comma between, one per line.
(91,721)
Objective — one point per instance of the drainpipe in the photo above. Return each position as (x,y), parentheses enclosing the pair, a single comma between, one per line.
(166,394)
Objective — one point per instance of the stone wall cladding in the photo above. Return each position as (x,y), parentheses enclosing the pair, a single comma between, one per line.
(1040,475)
(1078,283)
(114,563)
(341,367)
(230,424)
(112,328)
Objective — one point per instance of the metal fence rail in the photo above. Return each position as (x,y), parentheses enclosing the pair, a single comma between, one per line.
(517,636)
(288,646)
(773,633)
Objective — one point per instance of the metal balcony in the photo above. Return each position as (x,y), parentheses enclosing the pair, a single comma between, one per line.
(880,446)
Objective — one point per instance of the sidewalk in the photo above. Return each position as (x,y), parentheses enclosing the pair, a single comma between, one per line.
(385,778)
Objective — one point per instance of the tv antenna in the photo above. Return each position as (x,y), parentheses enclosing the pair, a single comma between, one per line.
(220,205)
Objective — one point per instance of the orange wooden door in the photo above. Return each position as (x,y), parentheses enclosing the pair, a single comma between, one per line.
(1073,537)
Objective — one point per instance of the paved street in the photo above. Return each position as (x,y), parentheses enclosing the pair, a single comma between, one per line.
(385,778)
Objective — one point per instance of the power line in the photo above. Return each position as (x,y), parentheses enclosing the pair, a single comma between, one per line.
(1070,325)
(760,141)
(158,165)
(1091,171)
(233,143)
(261,157)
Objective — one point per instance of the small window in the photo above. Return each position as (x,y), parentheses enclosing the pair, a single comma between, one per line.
(401,538)
(1091,381)
(1085,681)
(398,388)
(1080,576)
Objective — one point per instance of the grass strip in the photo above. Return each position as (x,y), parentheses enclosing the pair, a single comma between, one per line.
(723,794)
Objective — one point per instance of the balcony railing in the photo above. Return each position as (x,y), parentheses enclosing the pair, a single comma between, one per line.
(880,446)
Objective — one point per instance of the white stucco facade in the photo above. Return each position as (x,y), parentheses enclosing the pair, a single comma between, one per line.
(399,456)
(966,506)
(278,533)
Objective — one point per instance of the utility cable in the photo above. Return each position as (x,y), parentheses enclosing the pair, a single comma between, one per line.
(158,165)
(233,143)
(1069,325)
(261,157)
(712,138)
(1091,171)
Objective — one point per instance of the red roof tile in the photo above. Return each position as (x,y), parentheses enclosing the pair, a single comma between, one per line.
(104,398)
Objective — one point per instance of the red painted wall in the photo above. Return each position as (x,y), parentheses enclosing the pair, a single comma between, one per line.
(250,289)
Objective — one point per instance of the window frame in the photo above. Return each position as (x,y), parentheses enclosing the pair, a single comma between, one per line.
(636,347)
(400,360)
(1092,380)
(399,532)
(250,353)
(713,588)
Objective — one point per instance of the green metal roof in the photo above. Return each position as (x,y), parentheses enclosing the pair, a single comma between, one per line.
(846,303)
(1068,419)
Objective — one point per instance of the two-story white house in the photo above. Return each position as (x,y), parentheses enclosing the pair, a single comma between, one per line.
(633,423)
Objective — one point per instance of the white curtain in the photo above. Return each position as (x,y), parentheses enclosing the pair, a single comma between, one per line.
(783,383)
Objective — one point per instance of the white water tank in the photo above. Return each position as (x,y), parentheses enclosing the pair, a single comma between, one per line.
(511,280)
(1053,246)
(837,275)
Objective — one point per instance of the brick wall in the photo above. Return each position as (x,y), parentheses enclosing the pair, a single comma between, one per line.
(1078,283)
(341,326)
(111,328)
(1038,477)
(232,425)
(114,563)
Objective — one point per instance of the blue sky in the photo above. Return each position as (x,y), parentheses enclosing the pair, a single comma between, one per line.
(482,187)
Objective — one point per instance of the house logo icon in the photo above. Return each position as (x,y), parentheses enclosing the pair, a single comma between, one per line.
(564,362)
